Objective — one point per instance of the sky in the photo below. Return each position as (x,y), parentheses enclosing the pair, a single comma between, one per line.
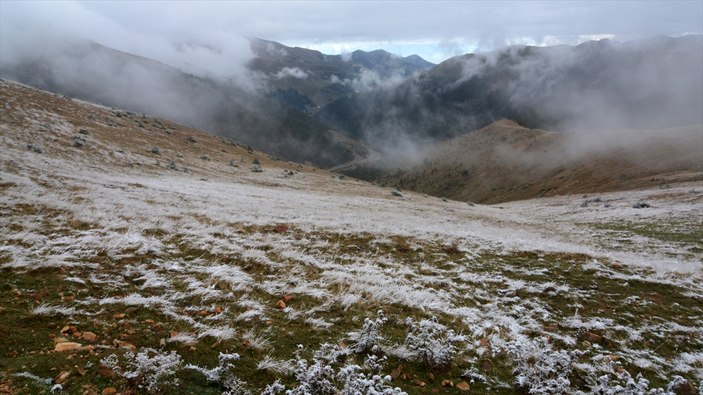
(180,32)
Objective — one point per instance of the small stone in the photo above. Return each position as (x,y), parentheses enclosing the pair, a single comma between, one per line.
(256,169)
(190,139)
(155,150)
(89,336)
(62,377)
(447,383)
(218,309)
(463,386)
(430,377)
(593,337)
(419,383)
(119,316)
(109,391)
(35,148)
(67,346)
(287,298)
(281,304)
(202,313)
(397,371)
(104,371)
(124,344)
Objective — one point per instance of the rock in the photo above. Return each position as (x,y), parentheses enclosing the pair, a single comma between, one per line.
(79,141)
(593,337)
(287,298)
(419,383)
(109,391)
(447,383)
(119,316)
(67,346)
(83,131)
(89,336)
(190,139)
(281,228)
(62,377)
(281,304)
(218,309)
(430,377)
(396,193)
(124,344)
(35,148)
(641,205)
(155,150)
(205,157)
(397,371)
(463,386)
(256,161)
(256,169)
(233,163)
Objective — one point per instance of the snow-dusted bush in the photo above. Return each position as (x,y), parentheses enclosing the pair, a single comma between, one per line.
(539,368)
(273,388)
(223,374)
(149,369)
(431,342)
(315,378)
(356,382)
(369,337)
(624,384)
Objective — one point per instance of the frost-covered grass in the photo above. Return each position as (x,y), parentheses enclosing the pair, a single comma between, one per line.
(171,272)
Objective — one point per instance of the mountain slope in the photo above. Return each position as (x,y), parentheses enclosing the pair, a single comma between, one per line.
(173,271)
(93,72)
(505,161)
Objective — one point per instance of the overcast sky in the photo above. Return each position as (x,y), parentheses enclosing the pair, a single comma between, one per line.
(182,32)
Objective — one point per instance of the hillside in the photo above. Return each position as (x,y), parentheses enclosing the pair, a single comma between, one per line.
(141,256)
(505,161)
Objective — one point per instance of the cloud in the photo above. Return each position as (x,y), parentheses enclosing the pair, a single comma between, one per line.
(291,72)
(207,36)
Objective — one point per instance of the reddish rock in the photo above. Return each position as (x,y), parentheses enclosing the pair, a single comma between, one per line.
(281,304)
(463,386)
(67,346)
(447,383)
(109,391)
(62,377)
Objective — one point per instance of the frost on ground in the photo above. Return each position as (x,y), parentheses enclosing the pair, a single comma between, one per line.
(120,271)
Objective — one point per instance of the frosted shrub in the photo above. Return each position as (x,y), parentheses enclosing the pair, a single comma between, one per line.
(331,353)
(431,342)
(356,382)
(369,337)
(273,388)
(539,368)
(223,374)
(149,369)
(317,378)
(624,384)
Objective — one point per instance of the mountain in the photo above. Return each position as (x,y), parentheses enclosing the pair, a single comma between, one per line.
(652,83)
(100,74)
(505,161)
(309,80)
